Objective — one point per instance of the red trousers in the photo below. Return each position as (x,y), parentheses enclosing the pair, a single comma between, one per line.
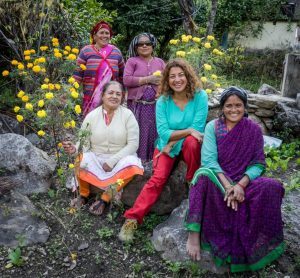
(162,167)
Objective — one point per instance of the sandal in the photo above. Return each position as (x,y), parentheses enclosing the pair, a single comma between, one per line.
(98,207)
(78,202)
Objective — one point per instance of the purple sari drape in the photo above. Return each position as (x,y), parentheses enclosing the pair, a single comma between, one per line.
(251,237)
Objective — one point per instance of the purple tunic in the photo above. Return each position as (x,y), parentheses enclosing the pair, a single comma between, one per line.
(135,68)
(252,236)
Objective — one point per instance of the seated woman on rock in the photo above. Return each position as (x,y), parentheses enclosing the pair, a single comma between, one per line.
(233,212)
(110,151)
(181,114)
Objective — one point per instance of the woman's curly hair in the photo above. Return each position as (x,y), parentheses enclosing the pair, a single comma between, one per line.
(193,82)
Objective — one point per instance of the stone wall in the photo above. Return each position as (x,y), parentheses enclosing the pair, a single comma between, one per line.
(267,109)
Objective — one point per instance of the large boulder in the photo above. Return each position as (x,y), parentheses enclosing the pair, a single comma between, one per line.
(175,190)
(28,166)
(19,221)
(287,117)
(170,238)
(266,89)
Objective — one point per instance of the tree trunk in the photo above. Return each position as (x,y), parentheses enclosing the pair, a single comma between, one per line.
(212,16)
(187,8)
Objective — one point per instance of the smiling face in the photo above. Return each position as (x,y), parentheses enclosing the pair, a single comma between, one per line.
(233,109)
(177,80)
(144,47)
(102,37)
(112,97)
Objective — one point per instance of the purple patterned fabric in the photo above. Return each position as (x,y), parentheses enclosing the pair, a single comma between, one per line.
(245,236)
(145,116)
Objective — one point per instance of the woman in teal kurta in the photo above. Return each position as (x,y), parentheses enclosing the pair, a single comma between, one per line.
(181,114)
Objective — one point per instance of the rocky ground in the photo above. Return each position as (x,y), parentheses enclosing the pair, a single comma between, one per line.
(82,245)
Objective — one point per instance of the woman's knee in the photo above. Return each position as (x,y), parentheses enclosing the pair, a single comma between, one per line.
(192,144)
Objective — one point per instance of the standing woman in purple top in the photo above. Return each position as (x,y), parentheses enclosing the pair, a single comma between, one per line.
(141,77)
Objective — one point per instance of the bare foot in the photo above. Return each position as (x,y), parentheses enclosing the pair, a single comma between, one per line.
(193,246)
(98,207)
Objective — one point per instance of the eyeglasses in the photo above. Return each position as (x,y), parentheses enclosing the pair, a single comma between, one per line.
(141,44)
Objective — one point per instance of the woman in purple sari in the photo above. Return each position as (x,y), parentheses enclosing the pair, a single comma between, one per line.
(233,211)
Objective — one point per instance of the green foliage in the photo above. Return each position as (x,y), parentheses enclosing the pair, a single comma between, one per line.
(152,220)
(148,247)
(134,17)
(15,255)
(279,157)
(174,267)
(84,14)
(294,183)
(105,233)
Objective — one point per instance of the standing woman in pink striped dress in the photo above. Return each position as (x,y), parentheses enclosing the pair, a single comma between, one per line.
(97,64)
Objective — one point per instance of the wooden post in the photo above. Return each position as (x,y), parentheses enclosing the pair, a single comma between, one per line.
(291,77)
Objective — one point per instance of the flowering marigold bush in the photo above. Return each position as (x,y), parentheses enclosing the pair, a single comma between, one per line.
(203,54)
(48,99)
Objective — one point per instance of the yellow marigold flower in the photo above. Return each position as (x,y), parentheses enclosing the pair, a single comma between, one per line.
(43,70)
(214,77)
(74,94)
(56,44)
(54,39)
(46,80)
(20,94)
(71,57)
(71,165)
(72,89)
(25,98)
(180,53)
(83,67)
(75,50)
(29,106)
(5,73)
(42,60)
(208,91)
(20,118)
(26,52)
(189,36)
(14,62)
(49,95)
(184,38)
(157,73)
(76,85)
(27,58)
(41,113)
(72,210)
(67,125)
(41,103)
(215,51)
(71,80)
(29,65)
(203,79)
(65,52)
(72,123)
(210,38)
(51,86)
(207,67)
(36,69)
(41,133)
(68,48)
(57,86)
(59,145)
(77,109)
(218,85)
(20,66)
(16,109)
(32,51)
(120,182)
(207,45)
(44,86)
(196,39)
(58,55)
(43,48)
(55,50)
(173,42)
